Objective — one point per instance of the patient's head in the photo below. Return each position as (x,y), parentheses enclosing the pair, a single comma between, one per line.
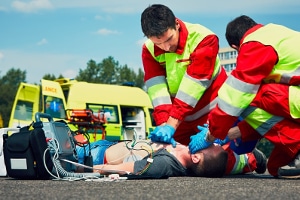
(210,162)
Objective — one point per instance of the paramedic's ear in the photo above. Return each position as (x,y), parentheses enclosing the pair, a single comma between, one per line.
(177,25)
(235,47)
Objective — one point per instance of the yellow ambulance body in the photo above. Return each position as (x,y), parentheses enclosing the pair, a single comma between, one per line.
(127,109)
(47,98)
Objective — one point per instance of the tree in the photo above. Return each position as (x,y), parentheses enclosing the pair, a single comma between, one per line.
(110,72)
(90,74)
(103,72)
(9,84)
(139,80)
(51,77)
(125,75)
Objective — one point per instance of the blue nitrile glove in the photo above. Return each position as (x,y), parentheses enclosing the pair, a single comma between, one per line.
(226,140)
(222,142)
(163,134)
(198,141)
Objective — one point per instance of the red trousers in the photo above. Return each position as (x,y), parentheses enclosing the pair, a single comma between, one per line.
(285,135)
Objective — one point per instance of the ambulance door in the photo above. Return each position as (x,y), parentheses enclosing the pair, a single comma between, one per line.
(133,120)
(53,100)
(25,105)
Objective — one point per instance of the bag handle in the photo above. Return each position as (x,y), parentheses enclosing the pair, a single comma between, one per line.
(40,115)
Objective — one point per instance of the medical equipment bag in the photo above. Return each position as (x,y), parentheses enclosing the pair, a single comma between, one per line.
(26,155)
(2,132)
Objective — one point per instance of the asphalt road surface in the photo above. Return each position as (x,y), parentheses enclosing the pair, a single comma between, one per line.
(250,186)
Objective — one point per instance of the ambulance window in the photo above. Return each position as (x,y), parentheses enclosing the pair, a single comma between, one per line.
(54,106)
(111,112)
(23,110)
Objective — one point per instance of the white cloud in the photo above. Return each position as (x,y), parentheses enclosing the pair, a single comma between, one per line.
(70,73)
(100,17)
(105,31)
(31,6)
(2,8)
(1,56)
(42,42)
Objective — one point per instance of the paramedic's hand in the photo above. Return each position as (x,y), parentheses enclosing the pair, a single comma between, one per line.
(163,134)
(222,142)
(198,141)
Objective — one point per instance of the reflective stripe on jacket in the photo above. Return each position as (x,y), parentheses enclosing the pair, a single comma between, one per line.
(260,120)
(235,95)
(178,81)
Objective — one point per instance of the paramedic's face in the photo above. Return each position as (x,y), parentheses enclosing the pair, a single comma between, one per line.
(168,41)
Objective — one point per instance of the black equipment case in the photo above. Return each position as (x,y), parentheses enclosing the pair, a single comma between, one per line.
(26,155)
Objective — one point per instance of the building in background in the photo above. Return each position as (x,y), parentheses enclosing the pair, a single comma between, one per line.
(227,57)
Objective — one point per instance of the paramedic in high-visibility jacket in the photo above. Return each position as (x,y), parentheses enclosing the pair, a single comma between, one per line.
(182,73)
(264,90)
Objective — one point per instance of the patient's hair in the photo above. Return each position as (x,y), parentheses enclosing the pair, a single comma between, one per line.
(213,165)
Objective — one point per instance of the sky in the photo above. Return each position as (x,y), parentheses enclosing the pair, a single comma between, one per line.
(61,36)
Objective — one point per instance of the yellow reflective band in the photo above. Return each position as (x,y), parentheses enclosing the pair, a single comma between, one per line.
(157,91)
(294,101)
(186,85)
(240,163)
(257,118)
(260,120)
(235,97)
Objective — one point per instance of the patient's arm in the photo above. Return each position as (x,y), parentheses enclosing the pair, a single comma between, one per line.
(122,168)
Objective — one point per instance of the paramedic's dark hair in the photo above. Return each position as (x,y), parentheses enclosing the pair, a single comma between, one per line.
(157,19)
(212,166)
(236,29)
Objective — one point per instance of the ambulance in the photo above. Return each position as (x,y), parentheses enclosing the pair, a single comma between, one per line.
(103,111)
(1,121)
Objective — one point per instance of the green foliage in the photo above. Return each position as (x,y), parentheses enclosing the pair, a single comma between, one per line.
(110,72)
(9,84)
(51,77)
(90,74)
(139,80)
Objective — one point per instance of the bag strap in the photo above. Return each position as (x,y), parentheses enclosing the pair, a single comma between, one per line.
(27,128)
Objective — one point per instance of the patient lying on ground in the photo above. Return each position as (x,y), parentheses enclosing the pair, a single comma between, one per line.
(156,160)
